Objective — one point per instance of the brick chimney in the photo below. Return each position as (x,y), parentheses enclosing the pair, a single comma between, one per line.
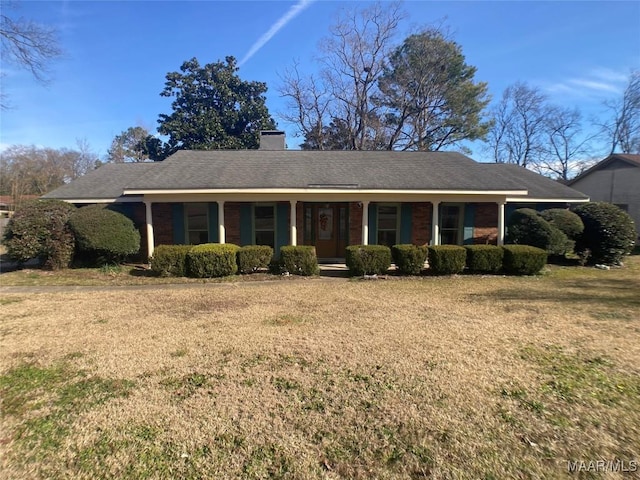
(272,140)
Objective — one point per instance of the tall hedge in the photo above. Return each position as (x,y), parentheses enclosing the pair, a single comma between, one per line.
(367,259)
(39,229)
(102,235)
(609,233)
(527,227)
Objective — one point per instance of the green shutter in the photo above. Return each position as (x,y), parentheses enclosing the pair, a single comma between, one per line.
(373,224)
(405,223)
(282,226)
(177,217)
(246,224)
(214,232)
(469,223)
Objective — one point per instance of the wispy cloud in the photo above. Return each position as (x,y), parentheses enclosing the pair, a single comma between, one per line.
(292,13)
(597,83)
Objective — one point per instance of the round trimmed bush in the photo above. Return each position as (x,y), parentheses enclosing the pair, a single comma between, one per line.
(103,236)
(609,233)
(367,259)
(564,220)
(409,259)
(484,258)
(209,260)
(523,259)
(447,259)
(527,227)
(39,229)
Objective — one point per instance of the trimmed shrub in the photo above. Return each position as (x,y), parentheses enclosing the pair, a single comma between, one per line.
(566,221)
(609,233)
(523,259)
(170,260)
(527,227)
(447,259)
(39,229)
(484,258)
(209,260)
(367,259)
(299,260)
(253,257)
(409,258)
(102,235)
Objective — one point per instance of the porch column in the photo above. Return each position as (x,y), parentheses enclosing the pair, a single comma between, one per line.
(365,222)
(294,225)
(435,223)
(149,223)
(221,230)
(501,223)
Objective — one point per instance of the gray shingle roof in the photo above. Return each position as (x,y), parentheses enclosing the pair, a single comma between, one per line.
(106,182)
(244,169)
(189,169)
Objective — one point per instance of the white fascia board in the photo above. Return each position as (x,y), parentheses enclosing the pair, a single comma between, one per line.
(102,200)
(329,191)
(546,200)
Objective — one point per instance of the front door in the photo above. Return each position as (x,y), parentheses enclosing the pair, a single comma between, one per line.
(326,228)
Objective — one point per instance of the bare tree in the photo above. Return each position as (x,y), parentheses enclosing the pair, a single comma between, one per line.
(566,147)
(623,129)
(518,132)
(28,45)
(353,59)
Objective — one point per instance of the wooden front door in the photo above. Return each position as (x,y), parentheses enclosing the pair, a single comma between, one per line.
(326,228)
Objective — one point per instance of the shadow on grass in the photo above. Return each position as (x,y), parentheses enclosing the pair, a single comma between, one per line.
(621,293)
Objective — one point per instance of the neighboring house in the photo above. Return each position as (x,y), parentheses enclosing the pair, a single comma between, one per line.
(329,199)
(616,179)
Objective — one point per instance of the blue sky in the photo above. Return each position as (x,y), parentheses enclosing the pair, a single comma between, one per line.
(116,55)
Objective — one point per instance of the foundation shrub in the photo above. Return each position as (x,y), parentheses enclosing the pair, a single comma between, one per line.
(299,260)
(523,259)
(39,229)
(103,236)
(409,259)
(609,233)
(564,220)
(170,260)
(253,257)
(484,258)
(367,259)
(447,259)
(527,227)
(210,260)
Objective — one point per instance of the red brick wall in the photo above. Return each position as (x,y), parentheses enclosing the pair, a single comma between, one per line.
(486,223)
(421,223)
(355,223)
(162,224)
(232,222)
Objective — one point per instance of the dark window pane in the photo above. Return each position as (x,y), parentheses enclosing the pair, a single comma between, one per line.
(265,238)
(198,237)
(264,218)
(387,218)
(387,237)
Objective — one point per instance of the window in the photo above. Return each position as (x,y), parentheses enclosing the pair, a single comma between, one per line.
(265,225)
(451,225)
(197,222)
(388,225)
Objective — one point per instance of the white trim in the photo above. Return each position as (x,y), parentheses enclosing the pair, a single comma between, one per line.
(149,223)
(435,223)
(342,191)
(365,222)
(138,199)
(501,223)
(293,221)
(546,200)
(221,229)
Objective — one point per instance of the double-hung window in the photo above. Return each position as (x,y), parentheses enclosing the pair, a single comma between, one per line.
(264,217)
(451,224)
(197,223)
(388,218)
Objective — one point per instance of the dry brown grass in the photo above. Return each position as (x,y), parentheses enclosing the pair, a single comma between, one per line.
(460,377)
